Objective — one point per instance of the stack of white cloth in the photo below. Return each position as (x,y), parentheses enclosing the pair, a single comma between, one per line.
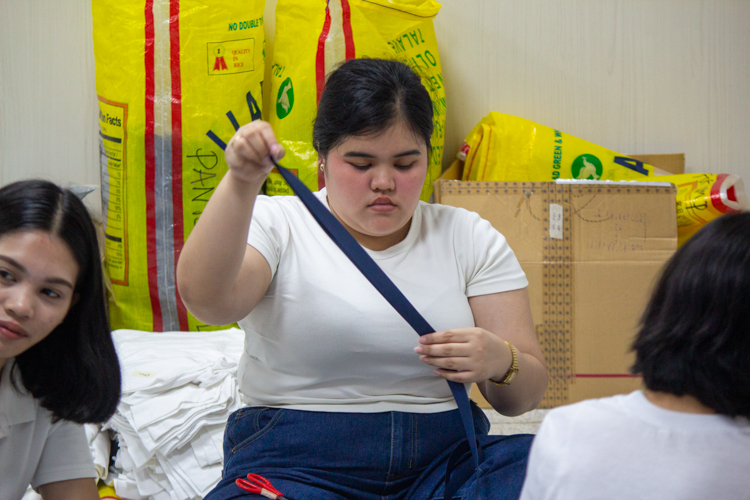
(178,389)
(99,444)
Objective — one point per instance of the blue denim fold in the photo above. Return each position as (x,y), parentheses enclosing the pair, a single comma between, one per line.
(372,456)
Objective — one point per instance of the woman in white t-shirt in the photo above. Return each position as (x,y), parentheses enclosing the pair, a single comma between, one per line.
(343,399)
(58,366)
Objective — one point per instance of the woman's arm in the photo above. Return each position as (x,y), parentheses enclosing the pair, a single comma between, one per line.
(220,278)
(508,316)
(479,354)
(72,489)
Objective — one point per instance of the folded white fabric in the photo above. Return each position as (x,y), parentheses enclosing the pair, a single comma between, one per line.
(100,445)
(178,390)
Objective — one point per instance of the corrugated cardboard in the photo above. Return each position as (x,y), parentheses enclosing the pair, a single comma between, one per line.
(589,287)
(671,164)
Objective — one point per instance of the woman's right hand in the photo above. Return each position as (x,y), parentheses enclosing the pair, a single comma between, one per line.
(247,152)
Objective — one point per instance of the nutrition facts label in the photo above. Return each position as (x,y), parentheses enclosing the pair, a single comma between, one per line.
(112,148)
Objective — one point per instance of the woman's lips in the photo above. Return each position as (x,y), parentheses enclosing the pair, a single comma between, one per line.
(10,331)
(382,204)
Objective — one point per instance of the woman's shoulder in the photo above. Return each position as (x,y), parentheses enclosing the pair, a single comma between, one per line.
(283,206)
(446,215)
(16,403)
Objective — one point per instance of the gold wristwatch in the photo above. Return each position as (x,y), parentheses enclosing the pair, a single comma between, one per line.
(512,370)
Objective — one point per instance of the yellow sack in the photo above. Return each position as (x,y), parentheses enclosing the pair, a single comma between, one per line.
(702,198)
(174,79)
(107,492)
(312,36)
(508,148)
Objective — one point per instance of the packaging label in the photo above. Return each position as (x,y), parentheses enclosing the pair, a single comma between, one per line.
(555,221)
(112,146)
(227,58)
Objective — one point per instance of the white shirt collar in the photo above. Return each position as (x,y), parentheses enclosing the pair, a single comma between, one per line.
(15,408)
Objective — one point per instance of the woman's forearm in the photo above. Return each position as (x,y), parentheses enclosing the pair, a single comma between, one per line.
(524,393)
(210,262)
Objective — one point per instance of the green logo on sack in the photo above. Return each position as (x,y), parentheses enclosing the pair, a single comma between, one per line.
(587,167)
(285,99)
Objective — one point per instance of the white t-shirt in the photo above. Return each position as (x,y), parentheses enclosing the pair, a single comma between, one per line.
(33,450)
(324,339)
(625,447)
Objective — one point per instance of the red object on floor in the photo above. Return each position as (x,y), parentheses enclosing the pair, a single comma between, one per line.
(261,486)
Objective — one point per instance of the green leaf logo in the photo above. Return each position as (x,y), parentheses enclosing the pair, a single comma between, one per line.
(285,99)
(587,167)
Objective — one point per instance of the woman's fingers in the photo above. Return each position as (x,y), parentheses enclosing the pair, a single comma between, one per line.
(461,355)
(248,150)
(462,377)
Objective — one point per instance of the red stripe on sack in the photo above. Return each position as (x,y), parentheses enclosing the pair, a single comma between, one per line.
(320,73)
(177,215)
(150,173)
(347,26)
(606,375)
(731,195)
(320,56)
(716,195)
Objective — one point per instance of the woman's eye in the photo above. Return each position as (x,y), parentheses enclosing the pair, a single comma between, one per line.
(361,166)
(6,275)
(51,293)
(406,166)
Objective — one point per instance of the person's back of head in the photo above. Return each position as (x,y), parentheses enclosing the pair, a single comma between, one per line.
(695,333)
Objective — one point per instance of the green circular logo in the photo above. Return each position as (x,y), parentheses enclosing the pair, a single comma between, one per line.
(586,167)
(285,99)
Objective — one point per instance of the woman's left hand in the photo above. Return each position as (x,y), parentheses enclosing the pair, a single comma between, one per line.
(465,354)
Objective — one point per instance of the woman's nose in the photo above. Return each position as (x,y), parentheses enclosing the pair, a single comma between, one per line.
(20,303)
(382,179)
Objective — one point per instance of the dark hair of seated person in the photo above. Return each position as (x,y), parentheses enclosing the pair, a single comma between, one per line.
(73,372)
(366,96)
(695,333)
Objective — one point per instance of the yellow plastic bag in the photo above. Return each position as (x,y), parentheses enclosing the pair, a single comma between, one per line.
(107,492)
(508,148)
(167,73)
(312,36)
(702,198)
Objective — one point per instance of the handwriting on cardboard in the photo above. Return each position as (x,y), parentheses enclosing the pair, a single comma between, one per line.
(620,232)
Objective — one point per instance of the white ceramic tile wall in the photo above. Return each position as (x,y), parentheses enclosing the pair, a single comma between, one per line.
(637,76)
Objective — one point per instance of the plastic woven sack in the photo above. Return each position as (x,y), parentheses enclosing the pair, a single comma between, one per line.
(702,198)
(312,36)
(167,72)
(508,148)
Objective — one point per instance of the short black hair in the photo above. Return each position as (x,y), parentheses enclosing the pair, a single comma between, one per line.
(73,372)
(695,333)
(366,96)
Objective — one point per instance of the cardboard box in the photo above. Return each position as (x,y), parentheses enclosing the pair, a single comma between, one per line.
(669,164)
(590,271)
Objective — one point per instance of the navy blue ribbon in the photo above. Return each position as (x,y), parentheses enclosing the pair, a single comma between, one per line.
(354,251)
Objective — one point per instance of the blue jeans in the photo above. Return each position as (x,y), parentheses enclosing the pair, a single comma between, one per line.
(371,456)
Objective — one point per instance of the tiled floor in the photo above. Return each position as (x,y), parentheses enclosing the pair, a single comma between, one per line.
(528,423)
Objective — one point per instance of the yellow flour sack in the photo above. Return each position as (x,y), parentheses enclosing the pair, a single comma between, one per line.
(508,148)
(174,79)
(703,197)
(312,36)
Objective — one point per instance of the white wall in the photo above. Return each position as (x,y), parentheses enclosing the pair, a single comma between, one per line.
(636,76)
(48,111)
